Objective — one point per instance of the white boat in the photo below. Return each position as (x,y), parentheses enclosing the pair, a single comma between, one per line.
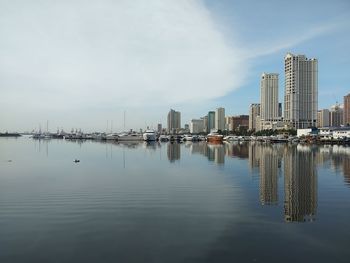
(112,137)
(188,138)
(149,136)
(126,137)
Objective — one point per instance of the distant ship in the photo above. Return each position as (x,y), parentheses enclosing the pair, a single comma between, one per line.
(149,135)
(8,134)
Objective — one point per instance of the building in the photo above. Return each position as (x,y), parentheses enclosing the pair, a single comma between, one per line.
(211,121)
(323,118)
(269,107)
(159,128)
(336,117)
(280,110)
(254,112)
(236,122)
(197,126)
(174,121)
(301,91)
(346,110)
(205,123)
(220,119)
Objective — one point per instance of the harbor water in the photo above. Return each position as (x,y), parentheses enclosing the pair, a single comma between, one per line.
(173,202)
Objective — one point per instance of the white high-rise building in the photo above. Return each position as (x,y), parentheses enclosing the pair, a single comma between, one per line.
(269,108)
(220,119)
(301,91)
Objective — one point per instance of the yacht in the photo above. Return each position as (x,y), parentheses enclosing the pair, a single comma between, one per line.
(215,137)
(129,137)
(149,135)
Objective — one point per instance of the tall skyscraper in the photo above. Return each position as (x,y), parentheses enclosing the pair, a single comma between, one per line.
(301,91)
(174,121)
(254,112)
(220,119)
(347,110)
(211,121)
(269,109)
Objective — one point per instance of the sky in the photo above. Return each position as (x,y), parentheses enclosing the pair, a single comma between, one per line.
(87,64)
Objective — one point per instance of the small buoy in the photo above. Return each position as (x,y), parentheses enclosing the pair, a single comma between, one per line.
(76,161)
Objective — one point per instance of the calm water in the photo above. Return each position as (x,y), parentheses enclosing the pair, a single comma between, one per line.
(167,202)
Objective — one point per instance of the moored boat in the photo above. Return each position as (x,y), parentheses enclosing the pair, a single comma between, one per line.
(149,136)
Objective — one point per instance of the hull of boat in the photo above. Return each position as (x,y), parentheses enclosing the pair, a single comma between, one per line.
(215,139)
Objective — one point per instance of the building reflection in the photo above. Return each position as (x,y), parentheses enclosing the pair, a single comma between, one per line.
(300,184)
(173,151)
(239,150)
(268,167)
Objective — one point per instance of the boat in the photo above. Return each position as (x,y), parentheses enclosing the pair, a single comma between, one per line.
(149,135)
(164,138)
(127,137)
(188,138)
(112,137)
(215,137)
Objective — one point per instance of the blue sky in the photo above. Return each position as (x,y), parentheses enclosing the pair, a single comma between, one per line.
(80,64)
(319,29)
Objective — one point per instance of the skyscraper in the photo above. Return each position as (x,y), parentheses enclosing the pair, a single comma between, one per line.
(347,109)
(254,112)
(301,91)
(211,121)
(269,109)
(174,121)
(220,119)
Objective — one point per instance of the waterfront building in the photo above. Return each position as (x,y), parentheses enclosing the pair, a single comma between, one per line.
(280,110)
(159,128)
(211,121)
(174,121)
(346,110)
(236,122)
(220,119)
(301,91)
(254,112)
(323,118)
(336,116)
(196,126)
(269,106)
(205,124)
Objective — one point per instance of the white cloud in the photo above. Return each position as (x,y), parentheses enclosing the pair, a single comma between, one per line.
(58,54)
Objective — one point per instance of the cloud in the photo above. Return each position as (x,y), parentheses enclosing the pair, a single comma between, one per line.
(89,54)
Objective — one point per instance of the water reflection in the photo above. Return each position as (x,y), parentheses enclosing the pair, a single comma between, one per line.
(300,184)
(295,166)
(173,152)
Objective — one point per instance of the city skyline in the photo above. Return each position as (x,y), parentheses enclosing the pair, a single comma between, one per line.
(78,71)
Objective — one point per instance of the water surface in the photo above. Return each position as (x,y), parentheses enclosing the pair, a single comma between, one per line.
(163,202)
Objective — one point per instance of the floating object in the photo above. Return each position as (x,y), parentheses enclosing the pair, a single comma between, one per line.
(10,161)
(76,160)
